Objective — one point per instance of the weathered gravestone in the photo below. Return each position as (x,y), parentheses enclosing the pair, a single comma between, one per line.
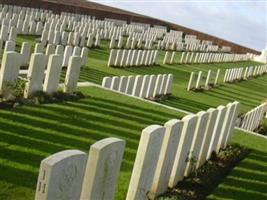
(137,85)
(145,162)
(10,46)
(39,48)
(226,125)
(217,130)
(112,57)
(197,141)
(144,86)
(115,83)
(11,62)
(61,176)
(213,113)
(106,82)
(102,170)
(130,85)
(67,54)
(183,150)
(26,52)
(35,74)
(168,88)
(166,158)
(190,82)
(158,85)
(72,74)
(52,76)
(231,128)
(123,84)
(151,86)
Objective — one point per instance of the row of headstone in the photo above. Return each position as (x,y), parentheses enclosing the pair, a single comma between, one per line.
(147,86)
(66,52)
(34,21)
(131,43)
(24,23)
(128,58)
(7,33)
(234,74)
(74,29)
(174,46)
(166,154)
(179,45)
(252,119)
(72,174)
(253,71)
(70,38)
(192,57)
(241,73)
(164,157)
(200,81)
(43,73)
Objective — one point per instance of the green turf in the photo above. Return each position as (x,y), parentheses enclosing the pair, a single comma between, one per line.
(250,93)
(248,181)
(31,133)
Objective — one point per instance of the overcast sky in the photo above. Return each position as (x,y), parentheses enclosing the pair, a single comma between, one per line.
(243,22)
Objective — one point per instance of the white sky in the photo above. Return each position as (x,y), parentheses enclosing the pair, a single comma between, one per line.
(243,22)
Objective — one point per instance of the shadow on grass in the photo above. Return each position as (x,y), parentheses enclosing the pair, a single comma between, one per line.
(248,181)
(186,104)
(30,133)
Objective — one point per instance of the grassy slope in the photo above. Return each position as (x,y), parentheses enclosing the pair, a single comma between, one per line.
(30,133)
(249,179)
(250,93)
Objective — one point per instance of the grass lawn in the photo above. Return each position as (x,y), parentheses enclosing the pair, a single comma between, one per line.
(30,133)
(248,181)
(250,93)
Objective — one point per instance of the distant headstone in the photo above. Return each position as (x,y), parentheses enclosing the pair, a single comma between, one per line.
(35,74)
(72,74)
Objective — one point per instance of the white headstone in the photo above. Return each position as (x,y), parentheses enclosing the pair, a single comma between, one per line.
(115,83)
(102,169)
(52,76)
(67,54)
(197,141)
(213,113)
(183,150)
(26,52)
(130,85)
(35,74)
(151,86)
(144,86)
(61,176)
(145,162)
(166,157)
(11,62)
(72,74)
(106,82)
(217,130)
(137,85)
